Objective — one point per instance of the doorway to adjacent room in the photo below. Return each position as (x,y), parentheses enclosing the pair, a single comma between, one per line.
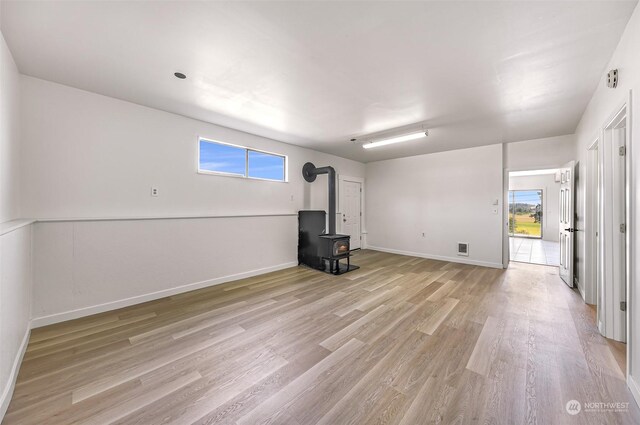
(533,217)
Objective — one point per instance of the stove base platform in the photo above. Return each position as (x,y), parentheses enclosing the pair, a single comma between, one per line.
(342,268)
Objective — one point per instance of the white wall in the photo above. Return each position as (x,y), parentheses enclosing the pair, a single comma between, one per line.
(15,307)
(87,155)
(15,243)
(550,201)
(86,267)
(602,106)
(9,135)
(550,152)
(448,195)
(91,156)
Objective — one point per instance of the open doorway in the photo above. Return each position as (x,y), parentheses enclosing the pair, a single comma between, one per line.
(534,217)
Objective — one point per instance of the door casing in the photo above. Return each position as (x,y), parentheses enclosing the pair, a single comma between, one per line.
(592,222)
(613,245)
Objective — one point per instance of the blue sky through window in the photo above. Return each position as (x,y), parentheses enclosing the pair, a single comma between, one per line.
(266,166)
(222,158)
(532,197)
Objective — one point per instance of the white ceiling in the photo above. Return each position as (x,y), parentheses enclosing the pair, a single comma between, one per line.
(316,74)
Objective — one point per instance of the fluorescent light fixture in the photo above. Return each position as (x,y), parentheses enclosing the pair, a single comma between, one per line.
(533,172)
(399,139)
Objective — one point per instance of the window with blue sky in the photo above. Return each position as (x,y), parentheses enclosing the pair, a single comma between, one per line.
(265,166)
(239,161)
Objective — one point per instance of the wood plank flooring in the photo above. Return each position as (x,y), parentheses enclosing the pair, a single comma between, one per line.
(402,340)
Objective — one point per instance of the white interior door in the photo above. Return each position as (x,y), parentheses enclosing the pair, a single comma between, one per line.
(613,243)
(352,211)
(567,217)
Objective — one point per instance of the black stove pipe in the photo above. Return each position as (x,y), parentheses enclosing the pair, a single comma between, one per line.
(309,172)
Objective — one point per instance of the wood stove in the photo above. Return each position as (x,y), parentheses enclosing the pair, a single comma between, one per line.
(318,248)
(332,249)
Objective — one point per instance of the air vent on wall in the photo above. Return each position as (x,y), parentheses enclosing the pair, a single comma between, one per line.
(463,249)
(612,79)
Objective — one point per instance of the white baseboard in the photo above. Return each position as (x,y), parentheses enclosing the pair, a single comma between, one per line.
(438,257)
(577,283)
(7,392)
(114,305)
(635,388)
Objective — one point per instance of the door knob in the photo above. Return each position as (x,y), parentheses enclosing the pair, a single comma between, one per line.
(570,230)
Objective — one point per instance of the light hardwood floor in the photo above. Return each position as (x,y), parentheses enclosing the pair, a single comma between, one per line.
(403,340)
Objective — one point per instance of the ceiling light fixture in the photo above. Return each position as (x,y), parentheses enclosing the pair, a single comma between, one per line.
(180,75)
(399,139)
(533,172)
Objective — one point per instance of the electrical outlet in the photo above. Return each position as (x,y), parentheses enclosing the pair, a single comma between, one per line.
(154,191)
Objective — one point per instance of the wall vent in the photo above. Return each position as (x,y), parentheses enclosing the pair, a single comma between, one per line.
(463,249)
(612,79)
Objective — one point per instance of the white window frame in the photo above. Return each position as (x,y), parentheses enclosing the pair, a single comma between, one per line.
(246,162)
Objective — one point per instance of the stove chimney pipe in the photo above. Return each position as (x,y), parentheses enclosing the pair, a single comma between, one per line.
(309,172)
